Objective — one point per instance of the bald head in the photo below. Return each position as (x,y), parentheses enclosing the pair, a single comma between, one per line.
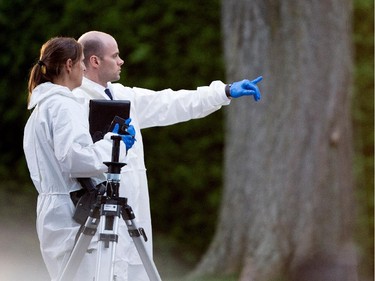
(94,44)
(102,57)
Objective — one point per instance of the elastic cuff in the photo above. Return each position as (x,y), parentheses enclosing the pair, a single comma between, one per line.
(227,90)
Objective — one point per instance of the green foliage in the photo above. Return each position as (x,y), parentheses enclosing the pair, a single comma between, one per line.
(17,207)
(185,180)
(214,278)
(363,124)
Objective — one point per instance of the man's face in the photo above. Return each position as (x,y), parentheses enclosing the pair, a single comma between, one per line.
(110,63)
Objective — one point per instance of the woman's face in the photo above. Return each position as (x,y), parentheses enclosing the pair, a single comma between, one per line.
(77,72)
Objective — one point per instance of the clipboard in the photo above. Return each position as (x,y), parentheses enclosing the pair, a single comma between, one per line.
(103,112)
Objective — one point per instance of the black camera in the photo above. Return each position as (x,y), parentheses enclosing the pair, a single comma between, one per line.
(123,128)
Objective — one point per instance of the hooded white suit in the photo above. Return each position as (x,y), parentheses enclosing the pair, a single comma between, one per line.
(59,149)
(149,109)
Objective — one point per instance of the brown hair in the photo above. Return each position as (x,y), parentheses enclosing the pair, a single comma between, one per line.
(53,55)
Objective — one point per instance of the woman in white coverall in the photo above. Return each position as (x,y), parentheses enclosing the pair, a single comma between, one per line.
(148,109)
(59,148)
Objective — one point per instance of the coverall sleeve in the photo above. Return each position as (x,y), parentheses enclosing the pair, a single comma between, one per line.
(167,107)
(74,148)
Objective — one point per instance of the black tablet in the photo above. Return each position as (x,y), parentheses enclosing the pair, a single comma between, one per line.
(103,112)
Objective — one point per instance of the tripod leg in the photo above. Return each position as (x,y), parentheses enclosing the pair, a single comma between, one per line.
(136,233)
(110,214)
(79,249)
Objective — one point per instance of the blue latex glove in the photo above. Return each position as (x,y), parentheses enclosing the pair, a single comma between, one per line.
(129,138)
(246,88)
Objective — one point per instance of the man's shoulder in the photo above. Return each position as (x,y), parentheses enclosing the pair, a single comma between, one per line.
(121,92)
(88,90)
(119,86)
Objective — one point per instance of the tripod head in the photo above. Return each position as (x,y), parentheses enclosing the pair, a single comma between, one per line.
(114,169)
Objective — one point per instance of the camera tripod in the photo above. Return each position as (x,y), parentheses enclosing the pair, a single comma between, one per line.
(105,214)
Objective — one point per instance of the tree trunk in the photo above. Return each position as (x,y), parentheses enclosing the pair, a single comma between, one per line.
(288,198)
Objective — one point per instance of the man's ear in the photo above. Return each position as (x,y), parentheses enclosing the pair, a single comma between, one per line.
(94,61)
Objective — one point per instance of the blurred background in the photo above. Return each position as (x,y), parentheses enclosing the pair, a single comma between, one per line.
(165,44)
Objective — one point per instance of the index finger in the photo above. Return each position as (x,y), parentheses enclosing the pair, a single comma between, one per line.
(256,80)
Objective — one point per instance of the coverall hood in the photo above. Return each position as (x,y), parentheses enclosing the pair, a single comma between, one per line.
(45,90)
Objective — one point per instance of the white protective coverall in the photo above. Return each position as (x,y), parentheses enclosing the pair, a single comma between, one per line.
(58,149)
(149,109)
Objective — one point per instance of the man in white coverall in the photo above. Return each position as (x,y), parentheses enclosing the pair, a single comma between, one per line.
(148,109)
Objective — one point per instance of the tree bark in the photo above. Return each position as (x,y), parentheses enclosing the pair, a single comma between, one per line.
(288,182)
